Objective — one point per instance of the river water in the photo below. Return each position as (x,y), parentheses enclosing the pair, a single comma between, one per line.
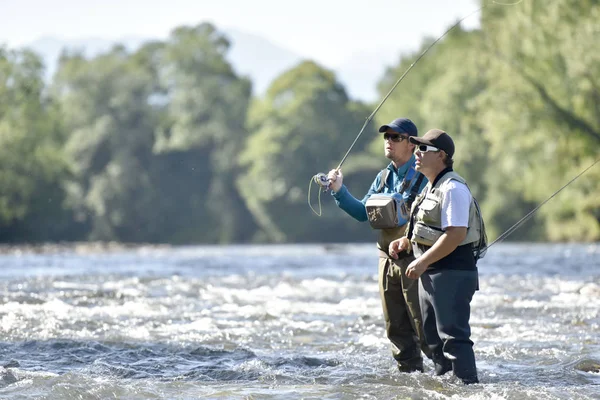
(282,322)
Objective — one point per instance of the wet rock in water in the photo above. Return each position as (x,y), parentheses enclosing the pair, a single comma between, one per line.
(7,378)
(588,366)
(12,364)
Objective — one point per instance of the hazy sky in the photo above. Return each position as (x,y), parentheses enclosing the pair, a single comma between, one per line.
(329,31)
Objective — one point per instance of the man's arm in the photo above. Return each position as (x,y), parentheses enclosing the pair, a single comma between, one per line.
(351,205)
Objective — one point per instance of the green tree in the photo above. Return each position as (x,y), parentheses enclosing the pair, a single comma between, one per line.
(32,165)
(206,115)
(305,121)
(543,111)
(111,134)
(520,97)
(154,136)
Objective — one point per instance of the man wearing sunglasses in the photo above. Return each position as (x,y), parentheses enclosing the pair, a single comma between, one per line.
(399,296)
(444,224)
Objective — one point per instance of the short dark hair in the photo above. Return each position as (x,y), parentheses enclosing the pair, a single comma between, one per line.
(448,161)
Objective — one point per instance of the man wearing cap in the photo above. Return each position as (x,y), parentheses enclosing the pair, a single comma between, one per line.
(444,224)
(399,296)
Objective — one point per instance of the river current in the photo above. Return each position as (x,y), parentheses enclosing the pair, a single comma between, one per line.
(282,322)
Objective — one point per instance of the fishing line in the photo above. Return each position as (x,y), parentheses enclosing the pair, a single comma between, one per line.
(321,178)
(310,205)
(530,213)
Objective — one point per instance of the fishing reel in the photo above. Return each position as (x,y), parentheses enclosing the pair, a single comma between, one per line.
(322,180)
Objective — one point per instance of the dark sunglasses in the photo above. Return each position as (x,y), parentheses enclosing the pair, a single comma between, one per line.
(394,138)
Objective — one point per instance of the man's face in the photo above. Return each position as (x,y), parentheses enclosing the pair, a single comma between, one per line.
(396,146)
(428,158)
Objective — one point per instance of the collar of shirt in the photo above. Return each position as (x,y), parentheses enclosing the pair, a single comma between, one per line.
(403,169)
(399,174)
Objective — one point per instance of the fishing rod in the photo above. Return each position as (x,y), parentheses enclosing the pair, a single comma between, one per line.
(321,178)
(530,213)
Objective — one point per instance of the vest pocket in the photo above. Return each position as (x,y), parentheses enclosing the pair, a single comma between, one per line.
(429,210)
(426,235)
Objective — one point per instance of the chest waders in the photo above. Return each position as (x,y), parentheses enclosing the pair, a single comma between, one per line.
(400,297)
(446,292)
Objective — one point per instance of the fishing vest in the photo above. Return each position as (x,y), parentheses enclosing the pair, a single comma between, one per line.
(427,227)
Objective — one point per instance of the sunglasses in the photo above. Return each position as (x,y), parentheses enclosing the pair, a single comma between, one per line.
(394,138)
(423,148)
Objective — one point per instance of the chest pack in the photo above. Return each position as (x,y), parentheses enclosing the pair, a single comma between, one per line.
(387,210)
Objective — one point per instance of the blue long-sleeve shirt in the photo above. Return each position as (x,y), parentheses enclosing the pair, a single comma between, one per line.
(356,208)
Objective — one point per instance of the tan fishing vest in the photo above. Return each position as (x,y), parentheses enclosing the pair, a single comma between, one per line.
(428,219)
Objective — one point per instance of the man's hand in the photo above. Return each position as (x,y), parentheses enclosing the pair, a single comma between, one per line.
(397,246)
(416,268)
(336,178)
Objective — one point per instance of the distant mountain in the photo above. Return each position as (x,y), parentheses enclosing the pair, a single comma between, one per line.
(259,58)
(361,72)
(250,55)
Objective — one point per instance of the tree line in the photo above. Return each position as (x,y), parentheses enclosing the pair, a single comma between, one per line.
(166,144)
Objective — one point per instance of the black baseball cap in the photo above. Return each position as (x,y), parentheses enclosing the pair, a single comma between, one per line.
(401,125)
(436,138)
